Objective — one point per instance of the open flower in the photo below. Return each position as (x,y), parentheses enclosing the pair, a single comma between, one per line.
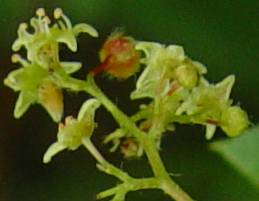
(210,105)
(42,44)
(35,86)
(71,134)
(165,65)
(36,78)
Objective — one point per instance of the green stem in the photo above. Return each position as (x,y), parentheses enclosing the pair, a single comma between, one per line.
(175,191)
(92,149)
(104,165)
(125,122)
(131,185)
(167,184)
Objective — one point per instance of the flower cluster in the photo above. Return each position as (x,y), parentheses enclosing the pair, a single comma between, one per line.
(173,83)
(35,79)
(179,93)
(177,86)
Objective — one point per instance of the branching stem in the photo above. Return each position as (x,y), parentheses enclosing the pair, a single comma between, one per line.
(103,164)
(165,182)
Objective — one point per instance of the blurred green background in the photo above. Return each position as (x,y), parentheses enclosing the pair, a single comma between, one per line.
(224,35)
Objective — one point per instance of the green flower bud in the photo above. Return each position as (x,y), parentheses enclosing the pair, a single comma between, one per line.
(234,121)
(131,148)
(187,76)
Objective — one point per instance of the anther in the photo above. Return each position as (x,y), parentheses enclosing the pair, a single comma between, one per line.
(58,13)
(15,58)
(40,12)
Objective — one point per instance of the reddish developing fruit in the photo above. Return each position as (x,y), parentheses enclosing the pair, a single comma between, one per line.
(119,57)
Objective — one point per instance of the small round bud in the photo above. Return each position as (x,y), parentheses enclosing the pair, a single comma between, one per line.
(40,12)
(234,121)
(186,76)
(58,13)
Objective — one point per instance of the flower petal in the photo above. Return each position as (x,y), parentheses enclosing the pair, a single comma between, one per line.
(225,86)
(71,67)
(13,79)
(51,98)
(84,28)
(23,103)
(88,109)
(52,151)
(210,130)
(68,38)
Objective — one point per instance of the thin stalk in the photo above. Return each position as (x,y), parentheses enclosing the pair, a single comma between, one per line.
(104,165)
(167,184)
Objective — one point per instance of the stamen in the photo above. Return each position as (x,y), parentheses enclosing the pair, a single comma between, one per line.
(35,24)
(16,58)
(46,19)
(46,22)
(58,13)
(61,25)
(67,21)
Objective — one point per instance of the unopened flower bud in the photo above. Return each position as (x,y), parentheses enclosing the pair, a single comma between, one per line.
(234,121)
(187,76)
(119,57)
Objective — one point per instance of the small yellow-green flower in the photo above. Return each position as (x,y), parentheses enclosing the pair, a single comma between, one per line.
(207,101)
(210,105)
(163,66)
(159,61)
(71,134)
(36,78)
(42,44)
(35,86)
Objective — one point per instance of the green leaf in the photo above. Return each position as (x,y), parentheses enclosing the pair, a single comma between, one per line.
(242,153)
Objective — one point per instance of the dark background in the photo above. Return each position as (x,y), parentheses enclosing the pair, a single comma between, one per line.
(221,34)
